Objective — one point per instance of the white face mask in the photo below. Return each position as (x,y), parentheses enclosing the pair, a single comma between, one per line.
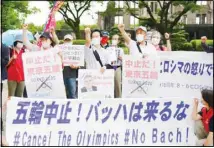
(114,42)
(19,45)
(155,41)
(69,43)
(95,41)
(45,45)
(140,37)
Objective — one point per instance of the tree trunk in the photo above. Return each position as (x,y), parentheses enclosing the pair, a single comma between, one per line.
(77,29)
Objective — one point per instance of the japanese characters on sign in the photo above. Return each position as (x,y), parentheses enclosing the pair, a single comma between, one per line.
(94,84)
(72,54)
(179,75)
(97,122)
(140,76)
(43,74)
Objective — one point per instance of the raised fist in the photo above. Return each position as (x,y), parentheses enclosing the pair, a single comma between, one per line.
(24,26)
(87,30)
(166,36)
(121,26)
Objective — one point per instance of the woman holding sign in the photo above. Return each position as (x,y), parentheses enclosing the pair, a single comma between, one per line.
(204,118)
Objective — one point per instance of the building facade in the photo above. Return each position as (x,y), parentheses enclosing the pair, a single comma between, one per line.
(199,20)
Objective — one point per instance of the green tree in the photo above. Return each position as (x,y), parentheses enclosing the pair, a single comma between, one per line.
(165,21)
(32,28)
(14,13)
(61,25)
(76,9)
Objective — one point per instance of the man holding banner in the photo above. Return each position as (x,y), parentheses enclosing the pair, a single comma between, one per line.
(70,73)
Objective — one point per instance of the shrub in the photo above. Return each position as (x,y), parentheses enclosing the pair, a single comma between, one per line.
(197,44)
(187,47)
(75,42)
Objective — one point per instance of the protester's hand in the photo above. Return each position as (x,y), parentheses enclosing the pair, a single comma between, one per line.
(14,56)
(120,58)
(196,101)
(25,26)
(74,67)
(87,30)
(4,141)
(52,30)
(102,70)
(121,27)
(166,36)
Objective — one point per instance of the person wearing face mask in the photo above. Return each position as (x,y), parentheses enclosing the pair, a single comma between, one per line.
(105,39)
(141,47)
(70,73)
(48,41)
(96,57)
(155,40)
(116,54)
(15,70)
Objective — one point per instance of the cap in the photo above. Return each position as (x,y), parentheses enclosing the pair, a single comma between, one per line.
(141,27)
(46,35)
(18,38)
(105,33)
(68,36)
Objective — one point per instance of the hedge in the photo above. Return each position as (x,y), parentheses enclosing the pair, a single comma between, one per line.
(196,44)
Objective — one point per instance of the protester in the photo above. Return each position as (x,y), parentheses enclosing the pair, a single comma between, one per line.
(205,47)
(46,40)
(70,72)
(5,54)
(129,34)
(156,38)
(96,57)
(15,70)
(204,118)
(141,46)
(116,64)
(105,39)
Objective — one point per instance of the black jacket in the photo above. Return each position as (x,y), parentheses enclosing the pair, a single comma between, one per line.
(5,53)
(206,48)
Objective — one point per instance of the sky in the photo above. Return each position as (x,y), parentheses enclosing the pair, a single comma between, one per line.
(41,17)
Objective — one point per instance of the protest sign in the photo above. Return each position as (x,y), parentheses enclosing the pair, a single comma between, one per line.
(72,54)
(181,74)
(115,53)
(43,74)
(140,76)
(98,122)
(94,84)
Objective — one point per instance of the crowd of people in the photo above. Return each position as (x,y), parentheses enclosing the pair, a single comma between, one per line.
(99,54)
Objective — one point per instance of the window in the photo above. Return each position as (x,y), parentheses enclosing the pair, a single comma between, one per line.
(152,6)
(133,4)
(204,19)
(134,21)
(118,20)
(197,19)
(201,2)
(118,4)
(156,7)
(185,19)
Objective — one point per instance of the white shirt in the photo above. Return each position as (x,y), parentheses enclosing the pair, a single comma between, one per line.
(91,62)
(115,52)
(146,49)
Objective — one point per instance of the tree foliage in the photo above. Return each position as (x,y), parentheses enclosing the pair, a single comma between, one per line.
(72,12)
(14,13)
(165,21)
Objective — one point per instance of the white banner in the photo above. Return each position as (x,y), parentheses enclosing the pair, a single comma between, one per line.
(43,75)
(140,76)
(94,84)
(181,74)
(72,54)
(98,122)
